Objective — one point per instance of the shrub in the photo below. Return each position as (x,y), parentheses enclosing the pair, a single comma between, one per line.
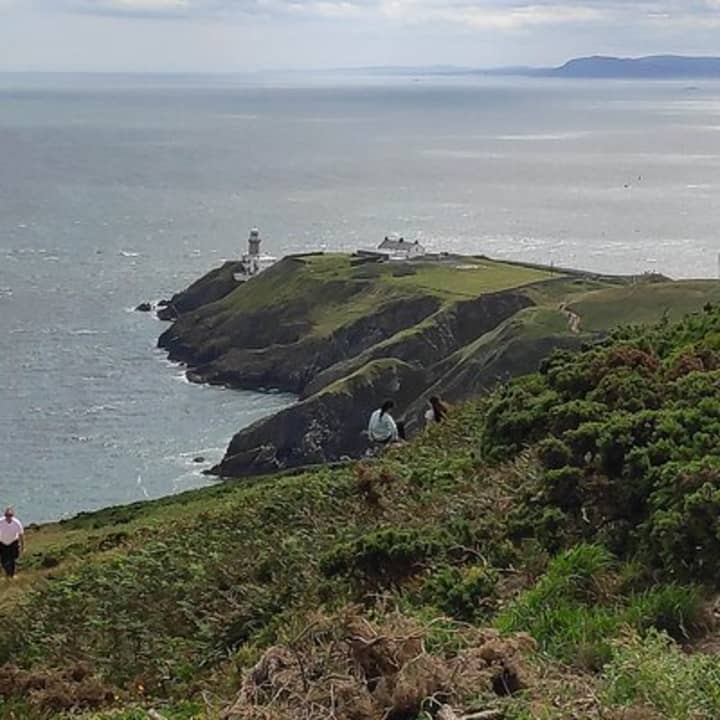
(570,415)
(465,593)
(681,531)
(639,417)
(562,486)
(388,555)
(553,453)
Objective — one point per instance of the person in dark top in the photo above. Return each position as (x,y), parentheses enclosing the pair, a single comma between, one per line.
(437,412)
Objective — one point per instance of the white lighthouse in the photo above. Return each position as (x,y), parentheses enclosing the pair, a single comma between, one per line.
(254,243)
(253,262)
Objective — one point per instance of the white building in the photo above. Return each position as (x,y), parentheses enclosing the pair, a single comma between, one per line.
(252,258)
(397,248)
(253,261)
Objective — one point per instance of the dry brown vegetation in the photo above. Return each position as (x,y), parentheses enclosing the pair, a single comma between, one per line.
(348,668)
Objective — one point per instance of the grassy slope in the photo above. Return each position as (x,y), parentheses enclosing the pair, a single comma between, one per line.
(337,293)
(644,303)
(166,598)
(163,599)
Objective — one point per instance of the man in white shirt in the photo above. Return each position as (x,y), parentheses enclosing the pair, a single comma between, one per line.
(12,542)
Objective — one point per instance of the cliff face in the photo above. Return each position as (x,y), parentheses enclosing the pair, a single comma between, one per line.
(213,286)
(330,421)
(427,343)
(345,336)
(325,427)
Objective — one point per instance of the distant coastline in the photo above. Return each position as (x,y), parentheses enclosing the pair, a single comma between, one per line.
(652,67)
(599,67)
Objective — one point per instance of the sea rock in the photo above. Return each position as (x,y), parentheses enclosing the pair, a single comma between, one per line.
(144,307)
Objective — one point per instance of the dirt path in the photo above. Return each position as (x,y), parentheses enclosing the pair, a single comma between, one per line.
(574,319)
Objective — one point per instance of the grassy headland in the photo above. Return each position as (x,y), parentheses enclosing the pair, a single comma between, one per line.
(344,333)
(548,553)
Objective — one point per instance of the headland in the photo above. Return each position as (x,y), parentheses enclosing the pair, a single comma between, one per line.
(346,332)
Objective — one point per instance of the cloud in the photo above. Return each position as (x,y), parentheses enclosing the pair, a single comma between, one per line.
(497,15)
(481,14)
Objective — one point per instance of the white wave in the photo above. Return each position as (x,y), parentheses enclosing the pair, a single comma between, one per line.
(95,409)
(142,487)
(129,253)
(191,480)
(539,137)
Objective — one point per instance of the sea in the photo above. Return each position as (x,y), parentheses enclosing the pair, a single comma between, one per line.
(116,190)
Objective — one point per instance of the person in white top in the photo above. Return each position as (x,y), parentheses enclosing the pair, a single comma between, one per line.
(382,428)
(12,542)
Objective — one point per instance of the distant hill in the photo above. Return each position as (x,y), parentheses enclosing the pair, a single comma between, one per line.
(654,67)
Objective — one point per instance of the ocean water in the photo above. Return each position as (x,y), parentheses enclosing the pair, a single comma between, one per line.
(115,190)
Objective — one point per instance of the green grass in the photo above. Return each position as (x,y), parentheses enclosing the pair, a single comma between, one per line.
(576,609)
(644,303)
(654,671)
(462,526)
(333,292)
(470,278)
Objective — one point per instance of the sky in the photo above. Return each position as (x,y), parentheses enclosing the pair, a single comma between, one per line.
(250,35)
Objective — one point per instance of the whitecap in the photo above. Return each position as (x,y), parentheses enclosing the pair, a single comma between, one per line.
(142,487)
(129,254)
(540,137)
(191,480)
(95,409)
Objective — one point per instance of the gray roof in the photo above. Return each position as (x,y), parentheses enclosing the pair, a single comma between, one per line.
(397,245)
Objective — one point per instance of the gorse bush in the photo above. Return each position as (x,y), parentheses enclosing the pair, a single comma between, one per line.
(383,555)
(629,434)
(464,593)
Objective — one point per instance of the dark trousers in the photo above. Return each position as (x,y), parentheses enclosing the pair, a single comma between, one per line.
(8,556)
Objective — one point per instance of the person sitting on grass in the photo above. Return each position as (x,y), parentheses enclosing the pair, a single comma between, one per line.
(382,428)
(12,542)
(437,411)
